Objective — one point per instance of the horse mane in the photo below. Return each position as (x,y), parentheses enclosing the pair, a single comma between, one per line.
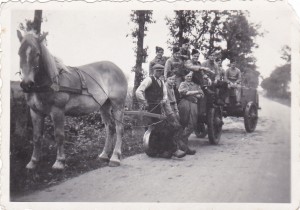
(60,65)
(49,62)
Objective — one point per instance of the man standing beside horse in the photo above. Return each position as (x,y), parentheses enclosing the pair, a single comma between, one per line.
(152,94)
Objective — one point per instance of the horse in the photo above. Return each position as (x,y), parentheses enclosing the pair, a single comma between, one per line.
(58,92)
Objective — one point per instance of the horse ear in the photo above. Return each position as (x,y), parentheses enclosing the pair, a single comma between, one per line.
(19,35)
(43,36)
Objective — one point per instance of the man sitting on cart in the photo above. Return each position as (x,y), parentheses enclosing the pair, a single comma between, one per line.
(152,94)
(234,77)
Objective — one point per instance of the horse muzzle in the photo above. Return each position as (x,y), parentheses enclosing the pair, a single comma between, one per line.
(27,86)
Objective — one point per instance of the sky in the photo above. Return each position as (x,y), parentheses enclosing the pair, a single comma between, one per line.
(81,37)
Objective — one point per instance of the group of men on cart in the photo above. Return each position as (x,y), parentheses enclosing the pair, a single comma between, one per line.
(175,87)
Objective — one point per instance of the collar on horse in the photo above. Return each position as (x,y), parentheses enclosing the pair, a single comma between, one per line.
(56,87)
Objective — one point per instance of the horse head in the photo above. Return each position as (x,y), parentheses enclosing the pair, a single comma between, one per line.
(31,60)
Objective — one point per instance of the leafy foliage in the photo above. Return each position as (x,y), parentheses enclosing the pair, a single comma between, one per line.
(34,25)
(286,53)
(277,85)
(227,33)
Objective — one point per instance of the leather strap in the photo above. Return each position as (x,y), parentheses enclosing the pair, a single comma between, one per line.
(81,77)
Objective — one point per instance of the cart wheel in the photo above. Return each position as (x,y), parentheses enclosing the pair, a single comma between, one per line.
(201,130)
(214,125)
(148,143)
(250,117)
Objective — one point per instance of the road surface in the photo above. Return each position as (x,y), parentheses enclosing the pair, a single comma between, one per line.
(244,167)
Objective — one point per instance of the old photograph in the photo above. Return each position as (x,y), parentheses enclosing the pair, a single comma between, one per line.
(182,104)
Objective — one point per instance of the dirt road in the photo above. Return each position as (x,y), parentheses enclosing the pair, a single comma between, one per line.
(242,168)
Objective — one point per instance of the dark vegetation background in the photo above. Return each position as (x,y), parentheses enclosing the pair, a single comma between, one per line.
(85,137)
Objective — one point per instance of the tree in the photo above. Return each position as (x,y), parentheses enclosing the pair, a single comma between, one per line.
(226,32)
(34,25)
(286,53)
(179,26)
(141,18)
(277,85)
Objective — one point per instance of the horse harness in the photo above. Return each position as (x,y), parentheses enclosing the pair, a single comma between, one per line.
(56,87)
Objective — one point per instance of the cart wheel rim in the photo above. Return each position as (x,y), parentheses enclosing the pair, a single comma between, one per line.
(251,117)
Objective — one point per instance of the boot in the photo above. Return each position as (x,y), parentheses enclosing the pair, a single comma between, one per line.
(179,153)
(190,151)
(165,154)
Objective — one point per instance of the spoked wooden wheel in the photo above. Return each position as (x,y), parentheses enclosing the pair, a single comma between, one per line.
(214,125)
(250,117)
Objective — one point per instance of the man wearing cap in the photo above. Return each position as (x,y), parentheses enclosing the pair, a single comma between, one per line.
(194,65)
(159,59)
(152,94)
(198,77)
(188,110)
(174,66)
(184,50)
(213,66)
(234,77)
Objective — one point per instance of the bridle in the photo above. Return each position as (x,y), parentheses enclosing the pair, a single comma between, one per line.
(53,86)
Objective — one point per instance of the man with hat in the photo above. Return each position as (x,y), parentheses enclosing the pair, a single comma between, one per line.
(174,66)
(184,50)
(159,59)
(190,93)
(198,77)
(194,65)
(152,94)
(213,66)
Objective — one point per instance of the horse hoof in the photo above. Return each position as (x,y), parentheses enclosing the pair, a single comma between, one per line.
(103,157)
(114,163)
(31,165)
(58,165)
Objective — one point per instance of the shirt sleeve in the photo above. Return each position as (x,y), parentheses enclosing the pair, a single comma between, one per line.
(239,76)
(168,67)
(140,92)
(183,88)
(165,92)
(190,66)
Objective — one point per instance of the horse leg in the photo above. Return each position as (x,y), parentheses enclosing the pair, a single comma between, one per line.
(109,128)
(38,127)
(58,118)
(116,156)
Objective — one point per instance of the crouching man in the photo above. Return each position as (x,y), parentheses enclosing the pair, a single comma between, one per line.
(152,94)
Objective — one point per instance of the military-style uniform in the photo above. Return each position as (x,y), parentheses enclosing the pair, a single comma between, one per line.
(234,76)
(174,67)
(162,61)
